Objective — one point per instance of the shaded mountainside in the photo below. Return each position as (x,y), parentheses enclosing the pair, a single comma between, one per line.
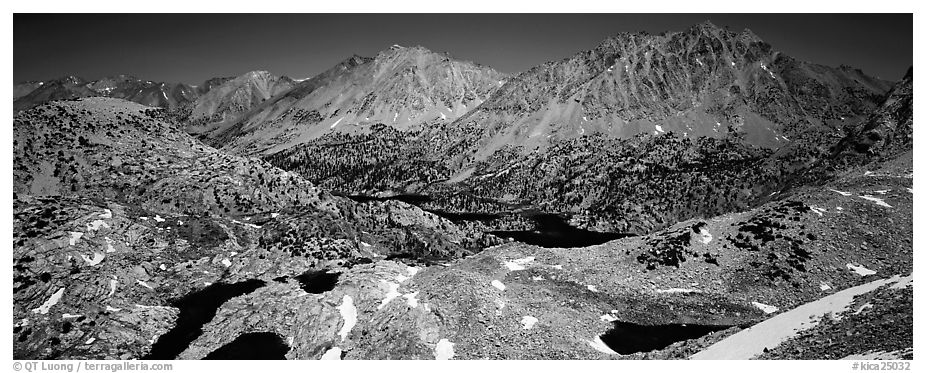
(401,87)
(889,130)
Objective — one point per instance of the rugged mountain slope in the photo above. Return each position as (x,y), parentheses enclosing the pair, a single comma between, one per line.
(889,130)
(107,190)
(224,102)
(400,87)
(687,124)
(145,92)
(512,301)
(705,81)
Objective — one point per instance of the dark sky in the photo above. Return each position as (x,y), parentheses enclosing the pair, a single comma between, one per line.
(191,48)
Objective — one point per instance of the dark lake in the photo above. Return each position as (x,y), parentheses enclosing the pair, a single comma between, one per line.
(252,346)
(552,230)
(627,338)
(196,309)
(411,199)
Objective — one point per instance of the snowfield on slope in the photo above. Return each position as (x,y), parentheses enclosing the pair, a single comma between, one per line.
(770,333)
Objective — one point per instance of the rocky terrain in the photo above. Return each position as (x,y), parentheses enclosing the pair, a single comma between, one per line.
(104,186)
(734,123)
(687,195)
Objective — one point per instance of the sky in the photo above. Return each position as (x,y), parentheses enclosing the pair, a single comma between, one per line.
(191,48)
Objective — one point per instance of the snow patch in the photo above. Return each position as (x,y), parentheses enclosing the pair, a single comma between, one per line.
(659,128)
(391,294)
(600,346)
(860,270)
(112,309)
(338,121)
(411,299)
(226,262)
(349,314)
(97,258)
(112,286)
(844,194)
(824,286)
(69,316)
(443,350)
(877,201)
(96,225)
(677,290)
(592,288)
(817,210)
(51,301)
(158,219)
(145,284)
(89,341)
(109,245)
(333,354)
(498,285)
(518,264)
(528,322)
(862,308)
(75,236)
(766,69)
(706,236)
(903,283)
(765,308)
(609,317)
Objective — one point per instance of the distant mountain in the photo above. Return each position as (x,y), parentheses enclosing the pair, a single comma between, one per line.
(24,88)
(225,99)
(693,123)
(705,81)
(145,92)
(402,87)
(890,128)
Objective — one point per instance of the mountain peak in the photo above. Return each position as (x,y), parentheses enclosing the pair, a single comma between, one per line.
(257,74)
(706,25)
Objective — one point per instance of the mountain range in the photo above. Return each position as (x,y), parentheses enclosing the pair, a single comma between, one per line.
(658,196)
